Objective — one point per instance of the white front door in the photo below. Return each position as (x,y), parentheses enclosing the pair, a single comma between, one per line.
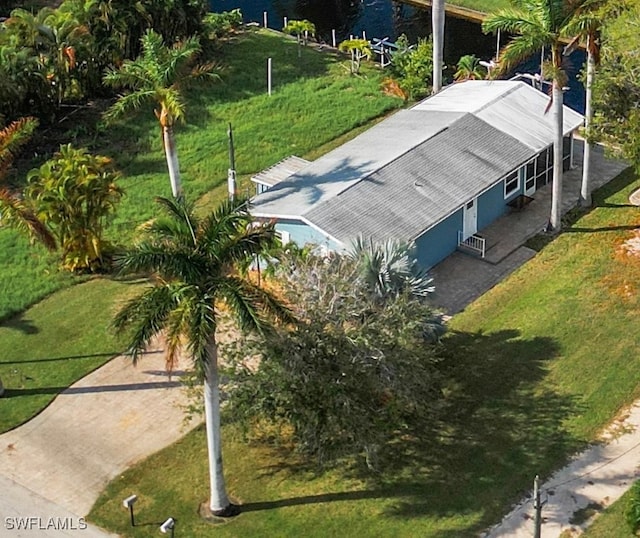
(470,220)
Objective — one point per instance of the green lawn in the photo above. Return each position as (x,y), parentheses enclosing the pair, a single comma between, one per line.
(53,344)
(536,367)
(314,101)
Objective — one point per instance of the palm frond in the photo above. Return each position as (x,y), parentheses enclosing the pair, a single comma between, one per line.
(15,213)
(163,260)
(12,138)
(252,305)
(130,102)
(147,314)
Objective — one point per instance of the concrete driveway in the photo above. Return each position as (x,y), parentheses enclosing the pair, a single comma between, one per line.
(58,463)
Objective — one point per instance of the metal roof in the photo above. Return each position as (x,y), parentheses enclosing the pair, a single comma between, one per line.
(504,104)
(418,166)
(353,161)
(419,189)
(280,171)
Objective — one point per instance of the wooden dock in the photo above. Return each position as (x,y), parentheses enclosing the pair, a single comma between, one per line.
(457,11)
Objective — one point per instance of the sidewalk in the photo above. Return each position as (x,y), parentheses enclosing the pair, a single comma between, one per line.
(92,432)
(599,475)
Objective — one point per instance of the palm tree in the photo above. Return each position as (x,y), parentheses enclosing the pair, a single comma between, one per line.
(359,49)
(538,24)
(194,262)
(586,28)
(389,268)
(158,76)
(13,210)
(437,29)
(469,68)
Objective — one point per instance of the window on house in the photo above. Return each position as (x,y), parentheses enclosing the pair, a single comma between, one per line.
(511,183)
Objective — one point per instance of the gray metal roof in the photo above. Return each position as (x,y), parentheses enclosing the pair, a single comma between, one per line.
(512,107)
(419,189)
(411,170)
(339,169)
(280,171)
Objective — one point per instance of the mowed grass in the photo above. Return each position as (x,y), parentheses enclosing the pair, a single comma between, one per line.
(55,343)
(535,368)
(314,101)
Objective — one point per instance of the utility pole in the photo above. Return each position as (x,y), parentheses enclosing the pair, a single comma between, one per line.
(537,507)
(231,173)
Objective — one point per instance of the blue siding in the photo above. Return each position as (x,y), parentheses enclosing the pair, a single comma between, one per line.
(491,205)
(437,243)
(302,234)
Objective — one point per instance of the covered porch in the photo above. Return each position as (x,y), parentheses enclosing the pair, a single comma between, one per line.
(461,278)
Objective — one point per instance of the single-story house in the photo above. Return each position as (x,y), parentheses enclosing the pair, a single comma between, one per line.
(436,174)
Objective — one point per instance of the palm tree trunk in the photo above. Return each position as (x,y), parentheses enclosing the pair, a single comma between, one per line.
(556,196)
(172,160)
(437,30)
(585,190)
(219,502)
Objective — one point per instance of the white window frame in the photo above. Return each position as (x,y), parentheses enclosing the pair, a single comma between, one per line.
(508,180)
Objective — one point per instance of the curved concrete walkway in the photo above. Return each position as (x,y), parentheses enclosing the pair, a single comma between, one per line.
(597,476)
(91,432)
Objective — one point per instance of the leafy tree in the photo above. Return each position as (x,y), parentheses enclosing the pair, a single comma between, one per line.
(158,76)
(616,90)
(358,49)
(413,67)
(357,369)
(13,209)
(194,264)
(469,68)
(537,24)
(73,194)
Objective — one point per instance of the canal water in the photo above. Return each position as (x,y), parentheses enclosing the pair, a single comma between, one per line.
(388,18)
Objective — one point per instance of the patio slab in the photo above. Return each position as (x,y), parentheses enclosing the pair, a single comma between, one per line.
(461,278)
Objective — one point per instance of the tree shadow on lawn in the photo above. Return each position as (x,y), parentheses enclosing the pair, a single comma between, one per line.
(497,429)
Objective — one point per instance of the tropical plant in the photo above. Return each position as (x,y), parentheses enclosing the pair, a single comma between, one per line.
(437,31)
(352,373)
(301,29)
(158,76)
(194,266)
(390,268)
(469,68)
(358,49)
(538,24)
(585,27)
(412,67)
(74,194)
(14,211)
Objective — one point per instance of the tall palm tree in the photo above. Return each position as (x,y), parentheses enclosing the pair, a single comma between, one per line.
(193,261)
(538,24)
(437,30)
(158,76)
(13,210)
(585,27)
